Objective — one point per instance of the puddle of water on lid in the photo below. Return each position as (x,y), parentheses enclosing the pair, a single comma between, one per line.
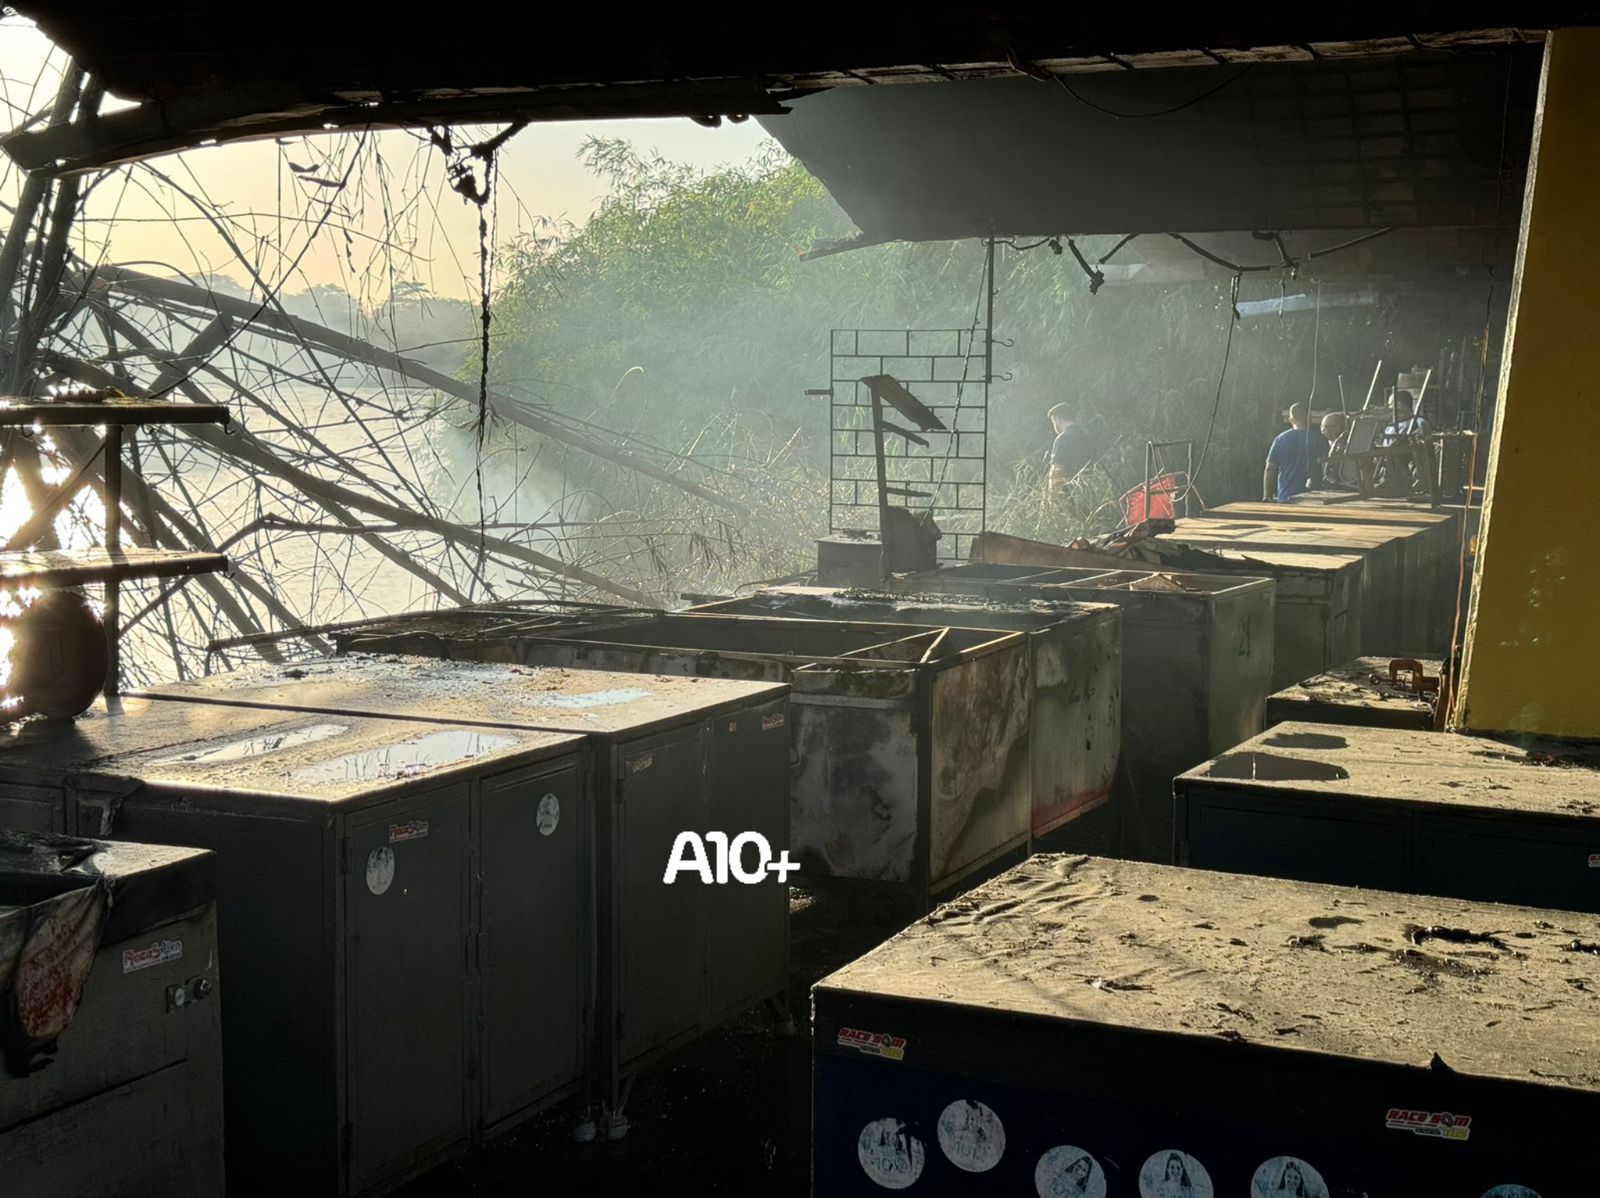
(1273,767)
(593,699)
(405,759)
(257,746)
(1307,740)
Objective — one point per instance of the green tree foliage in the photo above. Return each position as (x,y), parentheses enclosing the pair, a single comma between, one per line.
(683,312)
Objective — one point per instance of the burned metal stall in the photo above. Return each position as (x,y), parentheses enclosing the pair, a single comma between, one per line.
(1095,1027)
(380,883)
(911,753)
(1470,817)
(1196,656)
(1316,621)
(1439,555)
(666,756)
(1075,686)
(1401,605)
(111,1081)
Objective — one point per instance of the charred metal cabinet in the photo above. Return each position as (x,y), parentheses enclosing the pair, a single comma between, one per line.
(1422,812)
(911,753)
(127,1099)
(1397,606)
(1076,683)
(911,746)
(404,1014)
(1433,555)
(655,745)
(1176,1026)
(532,937)
(1197,653)
(1317,609)
(746,929)
(404,914)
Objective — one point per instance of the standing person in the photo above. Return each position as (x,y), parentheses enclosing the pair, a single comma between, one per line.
(1297,454)
(1337,470)
(1070,452)
(1403,421)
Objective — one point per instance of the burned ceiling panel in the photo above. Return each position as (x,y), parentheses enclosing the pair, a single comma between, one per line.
(1419,141)
(204,73)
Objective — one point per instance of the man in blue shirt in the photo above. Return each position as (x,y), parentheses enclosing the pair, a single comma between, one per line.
(1297,454)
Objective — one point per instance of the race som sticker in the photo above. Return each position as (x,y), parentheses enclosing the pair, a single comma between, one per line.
(874,1044)
(158,953)
(414,829)
(1429,1123)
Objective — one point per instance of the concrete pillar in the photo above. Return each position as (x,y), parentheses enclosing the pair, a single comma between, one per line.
(1532,654)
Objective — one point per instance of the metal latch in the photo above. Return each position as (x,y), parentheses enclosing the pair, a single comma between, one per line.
(187,993)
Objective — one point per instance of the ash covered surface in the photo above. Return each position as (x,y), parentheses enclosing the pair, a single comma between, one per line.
(1489,990)
(1364,681)
(1412,767)
(493,694)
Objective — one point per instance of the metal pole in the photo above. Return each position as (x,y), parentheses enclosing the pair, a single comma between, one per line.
(111,494)
(1188,477)
(988,320)
(1149,465)
(883,485)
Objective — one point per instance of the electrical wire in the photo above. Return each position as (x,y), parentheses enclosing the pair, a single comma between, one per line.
(1216,406)
(1286,262)
(1190,103)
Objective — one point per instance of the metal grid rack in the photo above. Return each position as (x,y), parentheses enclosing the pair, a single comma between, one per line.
(948,370)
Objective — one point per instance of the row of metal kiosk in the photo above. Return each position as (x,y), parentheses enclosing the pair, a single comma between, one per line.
(440,904)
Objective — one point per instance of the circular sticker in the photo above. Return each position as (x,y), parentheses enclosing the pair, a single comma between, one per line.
(971,1136)
(890,1154)
(1173,1174)
(1288,1177)
(1068,1172)
(380,869)
(549,814)
(1511,1192)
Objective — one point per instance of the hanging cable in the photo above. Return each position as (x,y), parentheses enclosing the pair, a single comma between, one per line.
(1216,406)
(1190,103)
(1316,341)
(1097,278)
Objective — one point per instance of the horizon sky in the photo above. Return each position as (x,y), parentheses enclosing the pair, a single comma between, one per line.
(396,220)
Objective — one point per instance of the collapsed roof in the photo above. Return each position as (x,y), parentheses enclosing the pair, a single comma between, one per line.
(204,73)
(1422,140)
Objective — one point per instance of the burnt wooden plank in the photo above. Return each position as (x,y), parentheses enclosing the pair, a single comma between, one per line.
(50,568)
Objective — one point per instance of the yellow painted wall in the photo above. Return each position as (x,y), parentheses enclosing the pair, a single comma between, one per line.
(1532,657)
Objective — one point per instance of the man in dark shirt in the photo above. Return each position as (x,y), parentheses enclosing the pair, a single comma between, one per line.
(1297,454)
(1070,452)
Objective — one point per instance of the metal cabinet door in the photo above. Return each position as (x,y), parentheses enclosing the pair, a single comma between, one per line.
(1530,864)
(1309,840)
(748,791)
(533,943)
(659,949)
(405,981)
(32,808)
